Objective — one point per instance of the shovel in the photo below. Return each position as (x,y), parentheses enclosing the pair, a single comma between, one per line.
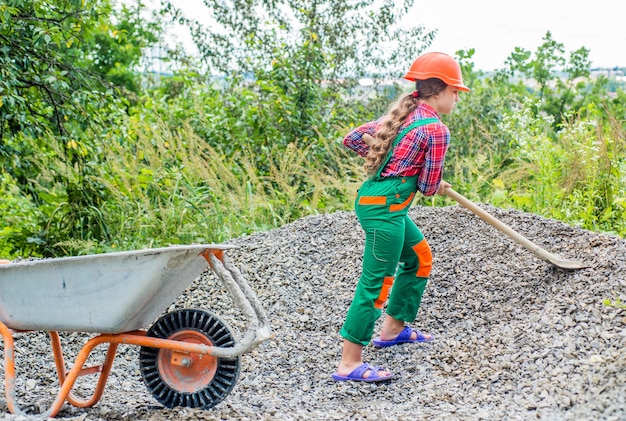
(504,228)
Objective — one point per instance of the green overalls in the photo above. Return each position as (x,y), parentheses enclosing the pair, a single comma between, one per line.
(396,252)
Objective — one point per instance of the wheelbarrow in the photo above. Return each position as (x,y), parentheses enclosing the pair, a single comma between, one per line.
(188,357)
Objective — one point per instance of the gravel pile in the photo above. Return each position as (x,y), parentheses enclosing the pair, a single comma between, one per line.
(515,337)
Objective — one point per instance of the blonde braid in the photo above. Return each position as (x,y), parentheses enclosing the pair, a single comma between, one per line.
(384,138)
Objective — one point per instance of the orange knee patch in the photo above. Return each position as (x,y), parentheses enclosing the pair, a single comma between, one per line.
(424,258)
(384,292)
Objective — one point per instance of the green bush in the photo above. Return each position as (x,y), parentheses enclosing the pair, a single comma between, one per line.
(577,177)
(18,218)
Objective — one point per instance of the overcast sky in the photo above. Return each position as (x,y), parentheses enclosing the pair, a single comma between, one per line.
(495,27)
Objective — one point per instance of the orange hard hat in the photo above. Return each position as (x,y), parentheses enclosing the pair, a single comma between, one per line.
(437,65)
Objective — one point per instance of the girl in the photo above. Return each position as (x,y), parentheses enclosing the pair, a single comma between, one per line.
(404,152)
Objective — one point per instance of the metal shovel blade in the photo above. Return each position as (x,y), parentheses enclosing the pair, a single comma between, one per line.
(504,228)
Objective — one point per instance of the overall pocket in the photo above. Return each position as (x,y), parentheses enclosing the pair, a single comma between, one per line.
(389,195)
(404,192)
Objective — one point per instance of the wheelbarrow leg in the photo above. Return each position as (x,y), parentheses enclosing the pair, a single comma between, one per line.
(66,382)
(9,370)
(133,338)
(103,369)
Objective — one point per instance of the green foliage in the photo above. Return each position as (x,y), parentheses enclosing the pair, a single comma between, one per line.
(246,35)
(96,157)
(45,85)
(549,151)
(18,217)
(299,55)
(66,200)
(63,66)
(617,303)
(576,177)
(563,84)
(115,48)
(235,116)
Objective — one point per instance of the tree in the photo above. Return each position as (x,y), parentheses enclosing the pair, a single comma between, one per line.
(61,61)
(355,37)
(66,67)
(308,55)
(563,84)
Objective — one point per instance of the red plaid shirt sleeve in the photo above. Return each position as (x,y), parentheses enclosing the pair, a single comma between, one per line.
(354,139)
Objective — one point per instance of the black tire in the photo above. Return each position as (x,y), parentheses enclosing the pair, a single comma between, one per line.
(175,385)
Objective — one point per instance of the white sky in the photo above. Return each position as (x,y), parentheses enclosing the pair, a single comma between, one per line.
(495,27)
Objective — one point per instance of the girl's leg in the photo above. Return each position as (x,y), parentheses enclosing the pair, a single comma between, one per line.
(383,246)
(351,358)
(410,283)
(381,209)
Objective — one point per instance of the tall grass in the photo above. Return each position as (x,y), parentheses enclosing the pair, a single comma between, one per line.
(171,187)
(18,216)
(64,200)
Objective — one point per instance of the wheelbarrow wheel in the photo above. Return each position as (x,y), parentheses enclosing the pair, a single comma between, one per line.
(191,380)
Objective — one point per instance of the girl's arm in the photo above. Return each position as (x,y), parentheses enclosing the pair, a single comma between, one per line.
(431,174)
(354,140)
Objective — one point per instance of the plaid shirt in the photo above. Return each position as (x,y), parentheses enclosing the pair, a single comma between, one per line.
(421,152)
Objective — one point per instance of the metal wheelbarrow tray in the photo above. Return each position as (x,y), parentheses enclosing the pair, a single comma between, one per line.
(188,357)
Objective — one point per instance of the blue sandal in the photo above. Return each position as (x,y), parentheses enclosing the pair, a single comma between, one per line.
(404,338)
(357,375)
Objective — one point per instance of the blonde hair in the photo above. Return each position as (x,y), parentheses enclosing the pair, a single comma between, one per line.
(394,119)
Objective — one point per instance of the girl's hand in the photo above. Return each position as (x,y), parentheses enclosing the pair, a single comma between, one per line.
(442,188)
(368,138)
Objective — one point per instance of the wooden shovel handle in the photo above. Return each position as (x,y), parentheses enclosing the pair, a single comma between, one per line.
(485,216)
(504,228)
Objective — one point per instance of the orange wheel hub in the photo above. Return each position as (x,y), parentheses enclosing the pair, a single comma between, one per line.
(187,372)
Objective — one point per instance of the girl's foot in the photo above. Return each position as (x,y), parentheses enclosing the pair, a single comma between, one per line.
(364,373)
(406,336)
